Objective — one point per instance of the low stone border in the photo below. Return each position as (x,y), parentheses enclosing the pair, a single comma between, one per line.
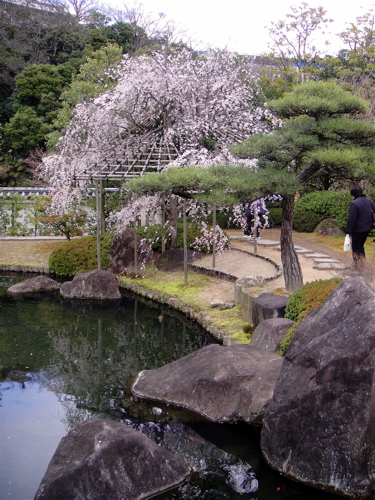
(18,268)
(202,319)
(215,273)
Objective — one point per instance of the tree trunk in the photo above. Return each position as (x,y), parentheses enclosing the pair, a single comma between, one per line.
(289,258)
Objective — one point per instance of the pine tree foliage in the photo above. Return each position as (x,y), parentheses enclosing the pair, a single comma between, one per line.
(321,142)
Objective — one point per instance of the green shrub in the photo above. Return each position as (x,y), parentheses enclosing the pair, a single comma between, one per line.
(153,233)
(79,255)
(275,216)
(312,208)
(224,220)
(309,297)
(193,232)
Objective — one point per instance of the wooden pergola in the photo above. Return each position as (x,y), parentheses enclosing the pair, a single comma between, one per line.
(149,153)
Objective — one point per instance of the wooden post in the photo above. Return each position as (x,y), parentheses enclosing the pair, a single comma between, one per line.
(185,244)
(163,224)
(256,225)
(135,248)
(102,208)
(214,237)
(98,186)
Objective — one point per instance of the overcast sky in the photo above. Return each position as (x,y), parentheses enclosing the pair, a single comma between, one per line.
(240,25)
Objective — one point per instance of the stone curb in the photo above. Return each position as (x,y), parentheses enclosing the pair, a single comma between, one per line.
(19,268)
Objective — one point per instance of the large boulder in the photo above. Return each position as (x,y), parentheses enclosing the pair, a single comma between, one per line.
(268,335)
(221,383)
(173,259)
(121,253)
(329,227)
(96,285)
(40,285)
(320,425)
(101,459)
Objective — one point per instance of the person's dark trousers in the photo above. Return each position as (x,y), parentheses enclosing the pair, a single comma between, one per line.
(358,242)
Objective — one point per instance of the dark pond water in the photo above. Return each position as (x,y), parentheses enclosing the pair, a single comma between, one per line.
(61,363)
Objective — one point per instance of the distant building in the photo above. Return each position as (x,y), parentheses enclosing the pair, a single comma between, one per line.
(34,4)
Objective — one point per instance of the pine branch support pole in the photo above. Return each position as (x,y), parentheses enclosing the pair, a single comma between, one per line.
(163,225)
(185,244)
(98,192)
(256,226)
(135,248)
(214,237)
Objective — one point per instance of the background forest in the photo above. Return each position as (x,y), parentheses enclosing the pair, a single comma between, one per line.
(56,54)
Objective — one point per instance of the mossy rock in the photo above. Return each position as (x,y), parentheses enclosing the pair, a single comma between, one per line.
(329,227)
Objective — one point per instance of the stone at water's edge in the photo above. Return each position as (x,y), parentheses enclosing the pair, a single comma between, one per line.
(121,253)
(221,383)
(97,284)
(38,285)
(266,306)
(320,425)
(268,335)
(103,459)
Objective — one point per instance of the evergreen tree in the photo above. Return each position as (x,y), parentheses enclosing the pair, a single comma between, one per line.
(322,141)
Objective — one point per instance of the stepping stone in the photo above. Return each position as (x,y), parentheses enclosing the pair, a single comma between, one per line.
(331,265)
(266,243)
(316,256)
(321,261)
(302,250)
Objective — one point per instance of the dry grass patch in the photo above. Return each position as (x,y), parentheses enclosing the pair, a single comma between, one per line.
(27,252)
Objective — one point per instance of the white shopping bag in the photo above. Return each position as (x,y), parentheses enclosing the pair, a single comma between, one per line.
(347,243)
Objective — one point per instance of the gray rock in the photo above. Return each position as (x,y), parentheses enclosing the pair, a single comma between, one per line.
(329,227)
(268,305)
(173,259)
(103,459)
(35,286)
(320,426)
(268,335)
(244,283)
(97,284)
(218,303)
(222,383)
(121,253)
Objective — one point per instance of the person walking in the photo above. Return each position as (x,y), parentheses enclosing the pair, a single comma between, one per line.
(252,219)
(359,222)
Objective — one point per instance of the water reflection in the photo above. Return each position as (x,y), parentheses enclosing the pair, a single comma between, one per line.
(63,362)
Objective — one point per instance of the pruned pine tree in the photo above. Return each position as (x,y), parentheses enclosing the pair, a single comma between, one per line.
(321,141)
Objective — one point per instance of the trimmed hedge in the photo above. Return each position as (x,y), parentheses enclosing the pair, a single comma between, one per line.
(79,255)
(301,302)
(275,215)
(312,208)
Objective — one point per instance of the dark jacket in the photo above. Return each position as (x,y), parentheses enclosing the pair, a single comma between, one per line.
(360,215)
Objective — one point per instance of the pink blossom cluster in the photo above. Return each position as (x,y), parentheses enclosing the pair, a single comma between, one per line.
(193,106)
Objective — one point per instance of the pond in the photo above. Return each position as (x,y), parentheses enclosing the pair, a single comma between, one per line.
(64,362)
